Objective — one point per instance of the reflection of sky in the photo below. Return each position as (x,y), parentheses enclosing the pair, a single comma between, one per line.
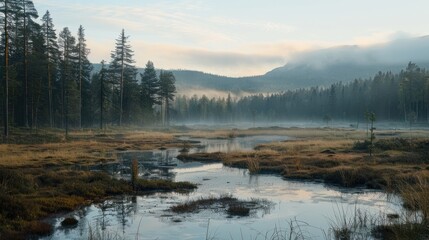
(237,144)
(312,203)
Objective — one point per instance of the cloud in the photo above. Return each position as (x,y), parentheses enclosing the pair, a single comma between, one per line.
(378,37)
(399,48)
(174,21)
(185,34)
(218,62)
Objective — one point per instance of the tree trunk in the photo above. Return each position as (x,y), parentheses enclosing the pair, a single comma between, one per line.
(6,70)
(101,96)
(122,83)
(80,85)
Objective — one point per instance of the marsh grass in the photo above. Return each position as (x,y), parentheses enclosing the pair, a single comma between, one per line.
(226,203)
(204,203)
(238,210)
(334,160)
(351,224)
(161,185)
(415,196)
(253,164)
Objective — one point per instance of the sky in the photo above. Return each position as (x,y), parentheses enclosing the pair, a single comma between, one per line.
(234,37)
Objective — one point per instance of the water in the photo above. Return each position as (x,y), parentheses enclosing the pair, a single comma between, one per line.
(313,206)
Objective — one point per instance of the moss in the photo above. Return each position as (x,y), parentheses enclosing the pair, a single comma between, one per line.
(38,228)
(143,185)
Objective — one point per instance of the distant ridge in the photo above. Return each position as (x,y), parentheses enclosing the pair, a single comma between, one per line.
(316,68)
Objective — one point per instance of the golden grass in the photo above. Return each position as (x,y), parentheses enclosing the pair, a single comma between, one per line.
(84,147)
(329,154)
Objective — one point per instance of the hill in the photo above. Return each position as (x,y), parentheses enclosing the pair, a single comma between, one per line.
(315,68)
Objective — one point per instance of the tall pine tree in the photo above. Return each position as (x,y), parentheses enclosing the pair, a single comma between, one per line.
(27,15)
(9,10)
(68,85)
(167,90)
(84,68)
(52,59)
(122,69)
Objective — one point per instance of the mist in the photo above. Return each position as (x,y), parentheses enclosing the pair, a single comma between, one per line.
(398,51)
(318,68)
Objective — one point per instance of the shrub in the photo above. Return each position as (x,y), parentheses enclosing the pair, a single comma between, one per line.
(361,145)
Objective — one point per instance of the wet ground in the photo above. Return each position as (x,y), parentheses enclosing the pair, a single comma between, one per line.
(313,206)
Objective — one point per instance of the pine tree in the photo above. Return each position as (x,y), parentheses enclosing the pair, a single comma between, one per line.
(27,13)
(84,69)
(122,69)
(52,59)
(167,89)
(36,73)
(8,10)
(149,90)
(68,84)
(102,92)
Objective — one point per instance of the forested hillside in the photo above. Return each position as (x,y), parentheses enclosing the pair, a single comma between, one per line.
(392,97)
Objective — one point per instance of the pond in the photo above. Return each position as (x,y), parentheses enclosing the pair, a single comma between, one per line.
(311,207)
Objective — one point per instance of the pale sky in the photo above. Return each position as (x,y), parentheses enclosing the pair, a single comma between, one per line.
(234,37)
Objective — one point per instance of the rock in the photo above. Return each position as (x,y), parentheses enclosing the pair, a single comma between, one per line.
(69,222)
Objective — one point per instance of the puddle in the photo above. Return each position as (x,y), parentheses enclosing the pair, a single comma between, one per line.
(148,217)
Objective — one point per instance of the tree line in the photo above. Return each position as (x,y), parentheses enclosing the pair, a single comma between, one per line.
(47,82)
(392,97)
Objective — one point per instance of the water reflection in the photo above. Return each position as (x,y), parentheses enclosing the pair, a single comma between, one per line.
(147,217)
(236,144)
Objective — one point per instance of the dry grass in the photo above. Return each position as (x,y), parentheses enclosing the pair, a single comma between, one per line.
(329,154)
(83,148)
(415,194)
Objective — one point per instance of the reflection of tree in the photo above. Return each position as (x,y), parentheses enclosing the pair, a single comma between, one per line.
(82,224)
(254,178)
(124,209)
(104,206)
(134,205)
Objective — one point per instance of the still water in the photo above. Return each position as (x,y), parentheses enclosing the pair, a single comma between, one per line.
(313,207)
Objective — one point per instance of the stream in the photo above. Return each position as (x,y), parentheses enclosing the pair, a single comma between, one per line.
(308,207)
